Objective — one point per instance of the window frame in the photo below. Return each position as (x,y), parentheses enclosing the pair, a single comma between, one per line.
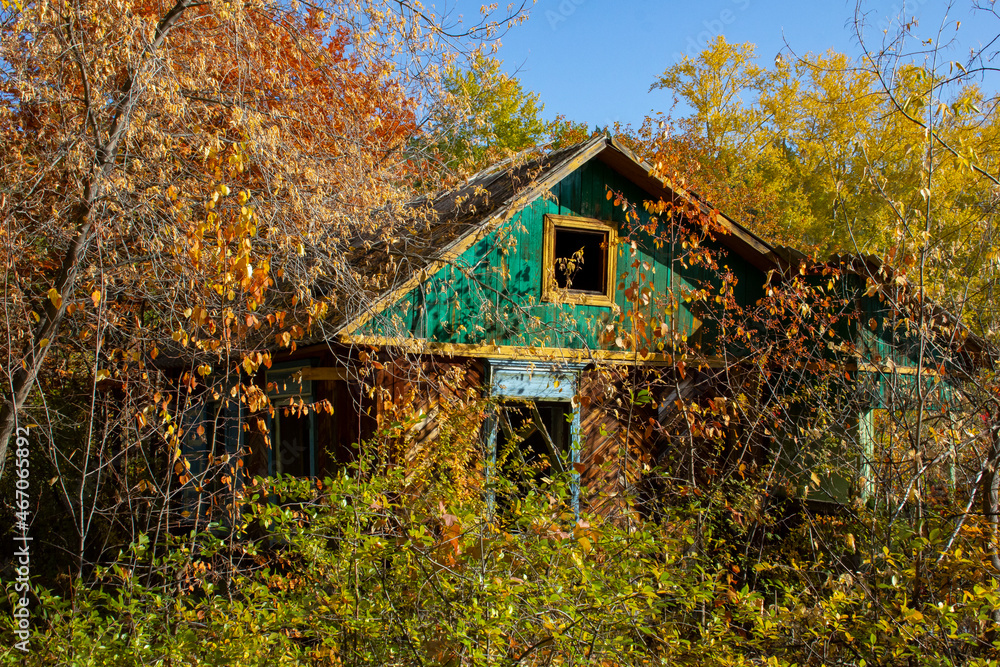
(551,292)
(524,381)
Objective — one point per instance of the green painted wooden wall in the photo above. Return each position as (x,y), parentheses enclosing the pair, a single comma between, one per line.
(492,293)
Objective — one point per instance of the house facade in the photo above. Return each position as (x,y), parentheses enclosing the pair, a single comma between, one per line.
(591,304)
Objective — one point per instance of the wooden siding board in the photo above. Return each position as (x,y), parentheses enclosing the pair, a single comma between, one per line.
(587,194)
(424,388)
(569,194)
(614,446)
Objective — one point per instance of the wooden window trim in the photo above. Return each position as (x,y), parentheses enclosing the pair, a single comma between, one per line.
(551,292)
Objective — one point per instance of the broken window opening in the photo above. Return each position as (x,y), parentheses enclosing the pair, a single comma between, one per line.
(533,442)
(581,260)
(292,442)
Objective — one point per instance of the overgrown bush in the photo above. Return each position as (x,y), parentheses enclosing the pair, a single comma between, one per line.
(359,569)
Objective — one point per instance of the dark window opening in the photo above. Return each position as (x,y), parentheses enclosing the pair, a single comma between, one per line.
(292,451)
(581,260)
(533,441)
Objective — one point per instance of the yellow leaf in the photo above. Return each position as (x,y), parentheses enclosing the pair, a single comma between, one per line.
(55,297)
(96,297)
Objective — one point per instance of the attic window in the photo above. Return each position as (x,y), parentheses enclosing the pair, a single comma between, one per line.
(579,261)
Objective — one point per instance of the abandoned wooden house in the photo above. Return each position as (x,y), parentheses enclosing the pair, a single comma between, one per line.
(528,285)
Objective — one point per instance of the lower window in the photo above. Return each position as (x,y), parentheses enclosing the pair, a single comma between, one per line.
(292,443)
(535,431)
(533,439)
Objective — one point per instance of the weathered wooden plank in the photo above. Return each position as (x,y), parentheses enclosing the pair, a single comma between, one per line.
(615,443)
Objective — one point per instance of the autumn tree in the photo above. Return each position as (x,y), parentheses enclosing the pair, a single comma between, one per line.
(811,150)
(889,160)
(484,115)
(183,185)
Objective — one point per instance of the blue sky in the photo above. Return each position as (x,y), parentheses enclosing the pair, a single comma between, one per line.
(594,60)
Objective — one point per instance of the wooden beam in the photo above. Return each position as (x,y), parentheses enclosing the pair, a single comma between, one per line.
(323,373)
(531,352)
